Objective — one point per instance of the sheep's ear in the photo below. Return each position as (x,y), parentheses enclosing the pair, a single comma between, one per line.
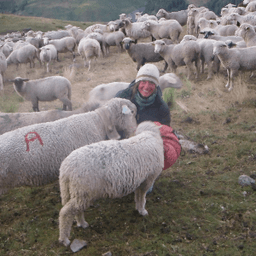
(25,79)
(202,32)
(247,28)
(126,110)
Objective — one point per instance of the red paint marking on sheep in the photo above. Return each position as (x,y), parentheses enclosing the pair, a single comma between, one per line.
(32,139)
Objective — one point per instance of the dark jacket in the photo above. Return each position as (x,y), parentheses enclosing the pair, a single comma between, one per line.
(158,111)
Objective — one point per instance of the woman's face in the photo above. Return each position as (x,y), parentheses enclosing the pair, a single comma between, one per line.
(146,88)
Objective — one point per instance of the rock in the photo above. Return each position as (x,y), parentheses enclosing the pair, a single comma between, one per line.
(107,254)
(77,245)
(245,180)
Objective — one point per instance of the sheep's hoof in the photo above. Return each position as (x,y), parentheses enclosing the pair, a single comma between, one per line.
(230,88)
(83,224)
(143,212)
(227,85)
(65,242)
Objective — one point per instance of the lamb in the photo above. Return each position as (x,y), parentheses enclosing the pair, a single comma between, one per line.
(32,155)
(247,32)
(12,121)
(180,16)
(3,67)
(24,55)
(89,49)
(135,30)
(108,169)
(180,54)
(47,54)
(142,53)
(169,29)
(45,89)
(235,59)
(66,44)
(104,92)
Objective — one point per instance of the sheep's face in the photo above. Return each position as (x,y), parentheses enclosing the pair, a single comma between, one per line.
(244,30)
(127,43)
(219,47)
(160,13)
(159,44)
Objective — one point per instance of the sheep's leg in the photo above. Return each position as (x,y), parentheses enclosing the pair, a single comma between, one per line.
(228,83)
(35,105)
(210,70)
(202,64)
(232,75)
(81,221)
(66,216)
(47,67)
(165,66)
(89,65)
(66,103)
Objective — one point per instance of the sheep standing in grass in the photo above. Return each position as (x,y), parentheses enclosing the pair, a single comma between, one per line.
(47,54)
(142,52)
(247,32)
(113,39)
(12,121)
(235,59)
(45,89)
(89,49)
(180,55)
(24,55)
(65,44)
(32,155)
(109,169)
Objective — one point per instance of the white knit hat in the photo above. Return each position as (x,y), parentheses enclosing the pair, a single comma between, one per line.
(148,72)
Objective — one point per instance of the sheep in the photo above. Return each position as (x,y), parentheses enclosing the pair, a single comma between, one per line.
(45,89)
(24,55)
(251,7)
(12,121)
(104,92)
(142,53)
(140,18)
(237,19)
(38,43)
(180,54)
(135,30)
(3,67)
(97,35)
(227,30)
(47,54)
(170,29)
(6,49)
(57,34)
(89,49)
(112,39)
(212,35)
(180,16)
(235,59)
(32,155)
(115,25)
(109,169)
(66,44)
(247,32)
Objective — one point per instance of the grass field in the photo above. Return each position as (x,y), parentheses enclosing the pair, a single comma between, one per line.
(196,207)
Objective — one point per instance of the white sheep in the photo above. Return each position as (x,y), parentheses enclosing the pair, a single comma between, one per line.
(57,34)
(24,55)
(6,49)
(247,32)
(235,59)
(212,35)
(45,89)
(89,49)
(169,29)
(104,92)
(140,18)
(47,54)
(135,30)
(112,39)
(251,7)
(180,54)
(12,121)
(180,16)
(32,155)
(142,52)
(109,169)
(66,44)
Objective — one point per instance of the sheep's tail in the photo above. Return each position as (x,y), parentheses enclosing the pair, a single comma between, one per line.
(64,188)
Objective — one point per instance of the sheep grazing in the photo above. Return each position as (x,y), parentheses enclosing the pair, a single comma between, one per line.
(32,155)
(180,54)
(169,29)
(108,169)
(104,92)
(45,89)
(47,54)
(180,16)
(142,53)
(235,59)
(89,49)
(66,44)
(24,55)
(12,121)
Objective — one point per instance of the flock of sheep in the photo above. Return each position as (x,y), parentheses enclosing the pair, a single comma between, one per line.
(36,150)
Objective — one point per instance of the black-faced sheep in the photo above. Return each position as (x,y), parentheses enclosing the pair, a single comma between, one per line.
(109,169)
(45,89)
(32,155)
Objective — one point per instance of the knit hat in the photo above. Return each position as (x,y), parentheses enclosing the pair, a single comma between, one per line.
(148,72)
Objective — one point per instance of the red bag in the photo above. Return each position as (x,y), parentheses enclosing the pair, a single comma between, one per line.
(172,147)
